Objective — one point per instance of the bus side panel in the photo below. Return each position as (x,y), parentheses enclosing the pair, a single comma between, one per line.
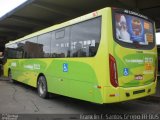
(78,80)
(31,68)
(27,70)
(84,78)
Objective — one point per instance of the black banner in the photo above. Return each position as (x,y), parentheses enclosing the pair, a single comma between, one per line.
(112,116)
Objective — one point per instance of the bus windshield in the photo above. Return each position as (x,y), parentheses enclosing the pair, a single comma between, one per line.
(132,31)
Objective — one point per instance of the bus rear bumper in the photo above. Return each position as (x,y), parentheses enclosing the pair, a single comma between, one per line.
(120,94)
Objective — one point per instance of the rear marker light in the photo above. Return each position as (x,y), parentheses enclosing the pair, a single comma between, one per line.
(112,95)
(95,14)
(99,87)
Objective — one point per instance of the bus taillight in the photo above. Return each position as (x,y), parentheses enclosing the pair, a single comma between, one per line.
(113,71)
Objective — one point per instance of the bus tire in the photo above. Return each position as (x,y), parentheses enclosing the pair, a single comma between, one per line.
(42,87)
(10,76)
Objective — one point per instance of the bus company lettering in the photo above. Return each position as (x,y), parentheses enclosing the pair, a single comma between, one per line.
(147,59)
(13,64)
(37,66)
(32,67)
(134,13)
(139,61)
(28,67)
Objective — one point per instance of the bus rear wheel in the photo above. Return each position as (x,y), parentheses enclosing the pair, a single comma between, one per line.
(42,87)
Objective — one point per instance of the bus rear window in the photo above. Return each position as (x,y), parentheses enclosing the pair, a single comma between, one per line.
(133,31)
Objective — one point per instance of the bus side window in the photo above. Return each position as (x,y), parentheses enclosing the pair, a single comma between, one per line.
(60,43)
(44,43)
(14,51)
(88,34)
(93,49)
(30,47)
(79,51)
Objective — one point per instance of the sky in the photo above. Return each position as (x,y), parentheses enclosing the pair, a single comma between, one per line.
(8,5)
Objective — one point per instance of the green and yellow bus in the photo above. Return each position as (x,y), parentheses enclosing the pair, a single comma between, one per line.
(106,56)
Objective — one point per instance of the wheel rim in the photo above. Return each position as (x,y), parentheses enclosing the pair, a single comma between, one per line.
(42,87)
